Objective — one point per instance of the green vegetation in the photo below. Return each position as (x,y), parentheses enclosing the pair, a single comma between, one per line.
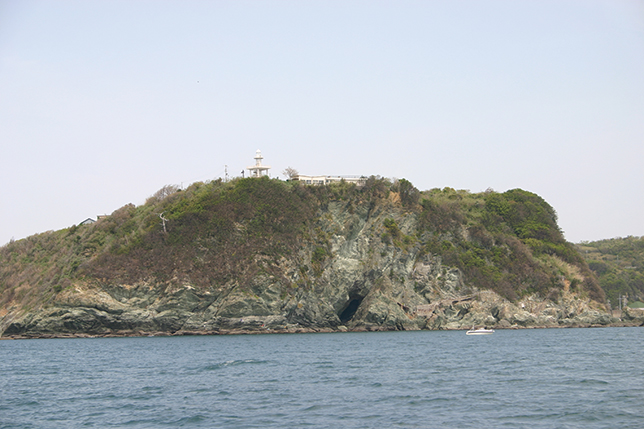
(619,265)
(219,233)
(409,195)
(216,232)
(507,242)
(392,232)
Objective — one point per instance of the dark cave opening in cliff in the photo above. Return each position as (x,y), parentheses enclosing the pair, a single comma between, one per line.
(350,310)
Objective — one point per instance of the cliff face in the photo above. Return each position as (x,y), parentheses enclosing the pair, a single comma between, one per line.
(357,262)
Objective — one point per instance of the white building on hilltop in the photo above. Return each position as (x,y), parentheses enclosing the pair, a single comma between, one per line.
(325,180)
(258,169)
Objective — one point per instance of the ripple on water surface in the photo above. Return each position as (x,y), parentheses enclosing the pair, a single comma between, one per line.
(572,378)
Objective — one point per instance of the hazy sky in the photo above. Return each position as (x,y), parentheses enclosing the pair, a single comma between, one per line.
(104,102)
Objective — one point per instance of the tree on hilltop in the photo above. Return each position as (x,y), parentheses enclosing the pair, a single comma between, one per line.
(290,173)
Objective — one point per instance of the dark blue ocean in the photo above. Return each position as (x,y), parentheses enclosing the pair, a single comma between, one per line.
(543,378)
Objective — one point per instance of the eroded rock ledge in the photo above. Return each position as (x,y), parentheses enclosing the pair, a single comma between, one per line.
(142,311)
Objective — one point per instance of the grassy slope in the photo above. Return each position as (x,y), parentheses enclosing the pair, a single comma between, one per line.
(512,243)
(219,232)
(619,264)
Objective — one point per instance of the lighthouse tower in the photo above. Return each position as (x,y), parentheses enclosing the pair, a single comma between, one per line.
(258,169)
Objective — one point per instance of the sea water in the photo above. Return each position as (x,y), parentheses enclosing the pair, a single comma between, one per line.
(542,378)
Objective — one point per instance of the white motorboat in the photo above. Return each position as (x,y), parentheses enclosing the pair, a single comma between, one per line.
(479,331)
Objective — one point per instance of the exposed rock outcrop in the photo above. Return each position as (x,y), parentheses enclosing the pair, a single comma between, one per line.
(362,279)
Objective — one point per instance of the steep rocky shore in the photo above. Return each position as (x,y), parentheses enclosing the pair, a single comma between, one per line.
(354,272)
(84,313)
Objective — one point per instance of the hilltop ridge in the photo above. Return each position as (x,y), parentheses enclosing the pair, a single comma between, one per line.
(264,255)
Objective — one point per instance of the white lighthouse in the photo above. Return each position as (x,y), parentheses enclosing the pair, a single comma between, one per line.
(258,169)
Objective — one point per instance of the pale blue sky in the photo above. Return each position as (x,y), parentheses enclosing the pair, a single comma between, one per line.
(104,102)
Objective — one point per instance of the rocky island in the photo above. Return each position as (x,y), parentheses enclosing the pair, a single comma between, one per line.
(260,255)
